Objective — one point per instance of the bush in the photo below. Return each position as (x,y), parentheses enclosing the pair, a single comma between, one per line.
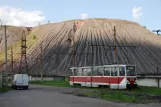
(34,37)
(144,27)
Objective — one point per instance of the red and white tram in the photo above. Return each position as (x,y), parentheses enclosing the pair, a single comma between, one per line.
(114,76)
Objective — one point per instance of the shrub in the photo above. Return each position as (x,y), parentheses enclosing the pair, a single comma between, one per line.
(34,37)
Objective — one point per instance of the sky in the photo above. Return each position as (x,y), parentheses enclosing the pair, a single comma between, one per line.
(34,12)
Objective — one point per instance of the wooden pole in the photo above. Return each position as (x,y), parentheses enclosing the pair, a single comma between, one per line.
(41,61)
(1,74)
(12,61)
(158,77)
(115,57)
(6,64)
(92,63)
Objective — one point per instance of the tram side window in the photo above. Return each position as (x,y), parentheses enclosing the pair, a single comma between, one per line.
(122,71)
(84,73)
(88,72)
(75,72)
(100,71)
(71,72)
(79,73)
(95,71)
(107,71)
(114,71)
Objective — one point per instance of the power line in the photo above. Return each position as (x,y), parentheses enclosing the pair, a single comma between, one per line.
(157,31)
(114,47)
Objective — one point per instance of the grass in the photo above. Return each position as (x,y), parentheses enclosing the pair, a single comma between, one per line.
(5,89)
(147,90)
(140,89)
(52,83)
(108,94)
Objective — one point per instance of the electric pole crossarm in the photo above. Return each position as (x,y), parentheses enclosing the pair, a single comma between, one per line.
(157,31)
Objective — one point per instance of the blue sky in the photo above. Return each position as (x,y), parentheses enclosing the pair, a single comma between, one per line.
(147,12)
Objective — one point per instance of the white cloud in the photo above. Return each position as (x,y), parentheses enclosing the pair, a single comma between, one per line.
(19,17)
(84,16)
(137,12)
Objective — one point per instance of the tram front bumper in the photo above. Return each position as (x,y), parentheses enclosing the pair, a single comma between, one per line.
(131,85)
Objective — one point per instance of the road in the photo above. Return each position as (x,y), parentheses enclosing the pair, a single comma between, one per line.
(45,96)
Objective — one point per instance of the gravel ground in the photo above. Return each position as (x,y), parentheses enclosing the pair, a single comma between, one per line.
(46,96)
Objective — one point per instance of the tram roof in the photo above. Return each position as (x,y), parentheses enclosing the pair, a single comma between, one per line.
(104,66)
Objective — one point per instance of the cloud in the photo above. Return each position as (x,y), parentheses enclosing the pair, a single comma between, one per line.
(84,16)
(19,17)
(137,12)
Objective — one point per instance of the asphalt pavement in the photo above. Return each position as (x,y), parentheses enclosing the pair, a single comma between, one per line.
(46,96)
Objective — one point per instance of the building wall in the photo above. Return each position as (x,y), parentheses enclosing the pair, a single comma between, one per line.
(46,78)
(150,82)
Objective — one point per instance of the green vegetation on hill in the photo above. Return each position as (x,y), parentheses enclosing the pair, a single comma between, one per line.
(31,39)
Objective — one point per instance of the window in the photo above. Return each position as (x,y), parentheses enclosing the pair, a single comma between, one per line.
(84,73)
(107,71)
(71,73)
(79,73)
(88,71)
(114,71)
(95,71)
(130,70)
(122,71)
(100,71)
(75,72)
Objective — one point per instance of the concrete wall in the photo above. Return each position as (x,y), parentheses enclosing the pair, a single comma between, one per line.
(46,78)
(150,82)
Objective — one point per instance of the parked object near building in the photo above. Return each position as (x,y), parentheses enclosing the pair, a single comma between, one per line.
(20,81)
(114,76)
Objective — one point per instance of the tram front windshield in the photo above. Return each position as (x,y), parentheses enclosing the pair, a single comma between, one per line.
(130,71)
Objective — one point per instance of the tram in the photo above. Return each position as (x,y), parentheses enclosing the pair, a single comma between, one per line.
(114,76)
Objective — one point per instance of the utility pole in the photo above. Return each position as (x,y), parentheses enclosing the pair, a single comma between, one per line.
(23,62)
(6,65)
(115,57)
(1,75)
(41,61)
(73,39)
(92,61)
(158,75)
(12,61)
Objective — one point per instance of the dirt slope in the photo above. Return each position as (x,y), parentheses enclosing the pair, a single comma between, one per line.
(55,38)
(96,32)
